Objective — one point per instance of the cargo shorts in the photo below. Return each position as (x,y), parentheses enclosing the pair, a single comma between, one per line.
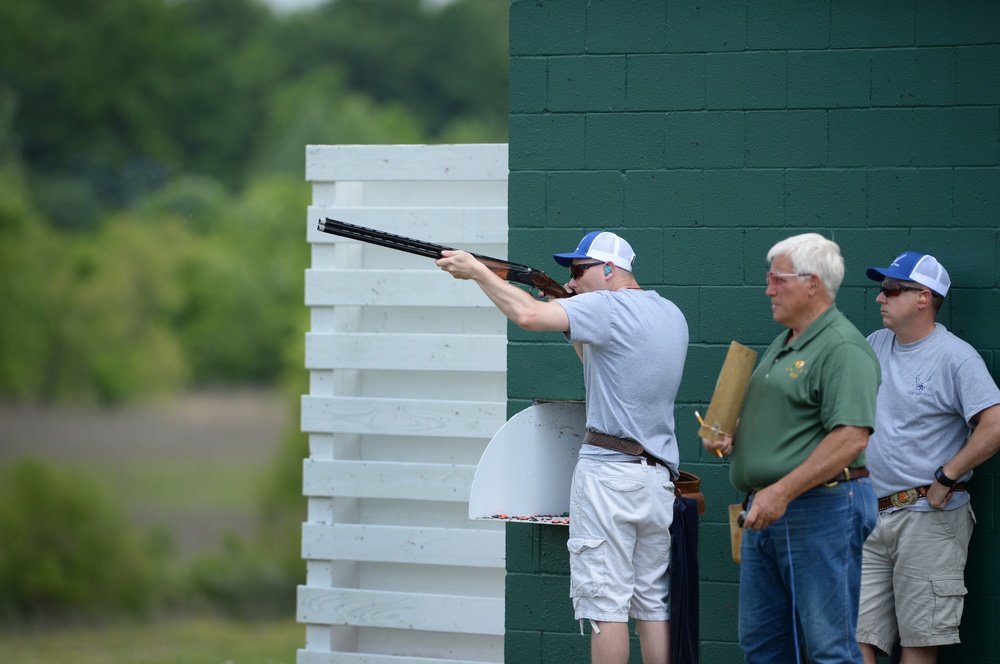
(619,540)
(913,578)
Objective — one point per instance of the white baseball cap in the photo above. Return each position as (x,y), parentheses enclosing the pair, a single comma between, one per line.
(913,266)
(603,246)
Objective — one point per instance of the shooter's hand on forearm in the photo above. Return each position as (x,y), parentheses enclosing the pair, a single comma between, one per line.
(516,304)
(462,265)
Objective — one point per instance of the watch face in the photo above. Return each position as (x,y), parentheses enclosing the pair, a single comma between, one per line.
(943,479)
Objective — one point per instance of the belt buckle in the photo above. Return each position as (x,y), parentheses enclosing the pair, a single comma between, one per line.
(904,498)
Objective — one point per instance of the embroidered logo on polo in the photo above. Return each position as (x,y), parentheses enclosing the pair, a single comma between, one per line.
(797,369)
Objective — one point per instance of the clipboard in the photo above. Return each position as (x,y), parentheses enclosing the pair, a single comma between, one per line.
(730,389)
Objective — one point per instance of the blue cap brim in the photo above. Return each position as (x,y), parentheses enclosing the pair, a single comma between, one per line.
(880,273)
(567,259)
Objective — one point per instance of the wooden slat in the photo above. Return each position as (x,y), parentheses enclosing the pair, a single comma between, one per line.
(388,480)
(400,610)
(307,657)
(403,544)
(329,163)
(407,352)
(449,226)
(402,417)
(392,288)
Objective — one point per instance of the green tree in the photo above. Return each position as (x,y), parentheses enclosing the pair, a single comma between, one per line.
(121,94)
(243,284)
(116,341)
(31,266)
(442,63)
(65,548)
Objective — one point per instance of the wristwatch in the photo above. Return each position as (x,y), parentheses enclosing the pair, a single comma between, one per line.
(943,479)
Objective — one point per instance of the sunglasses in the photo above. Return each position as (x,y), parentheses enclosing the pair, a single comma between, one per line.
(577,269)
(892,290)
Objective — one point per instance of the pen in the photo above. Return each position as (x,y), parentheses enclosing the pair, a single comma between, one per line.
(718,453)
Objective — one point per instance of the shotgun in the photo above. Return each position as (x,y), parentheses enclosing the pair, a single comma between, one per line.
(521,274)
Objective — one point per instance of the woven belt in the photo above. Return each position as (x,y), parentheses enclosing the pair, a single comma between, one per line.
(907,497)
(624,445)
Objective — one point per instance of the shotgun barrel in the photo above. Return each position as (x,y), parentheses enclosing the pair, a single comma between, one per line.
(514,272)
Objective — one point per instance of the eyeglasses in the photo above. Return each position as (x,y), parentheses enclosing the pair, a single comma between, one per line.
(577,269)
(775,278)
(892,290)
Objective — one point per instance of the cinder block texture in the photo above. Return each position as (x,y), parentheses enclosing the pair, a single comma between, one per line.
(705,132)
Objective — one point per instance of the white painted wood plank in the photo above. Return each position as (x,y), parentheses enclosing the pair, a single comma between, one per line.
(403,544)
(388,480)
(392,288)
(449,226)
(406,352)
(412,193)
(307,657)
(402,417)
(326,163)
(419,611)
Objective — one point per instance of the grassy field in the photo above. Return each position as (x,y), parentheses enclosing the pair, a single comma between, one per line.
(201,641)
(192,467)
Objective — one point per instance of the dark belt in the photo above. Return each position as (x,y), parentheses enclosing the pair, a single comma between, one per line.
(845,475)
(848,474)
(623,445)
(907,497)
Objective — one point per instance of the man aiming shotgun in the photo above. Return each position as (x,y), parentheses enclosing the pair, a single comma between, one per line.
(633,344)
(521,274)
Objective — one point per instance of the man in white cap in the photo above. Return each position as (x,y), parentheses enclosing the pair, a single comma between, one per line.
(633,344)
(937,418)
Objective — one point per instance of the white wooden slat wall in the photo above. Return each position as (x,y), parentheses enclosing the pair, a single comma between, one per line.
(407,386)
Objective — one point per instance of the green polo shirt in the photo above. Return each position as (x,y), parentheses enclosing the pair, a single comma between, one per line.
(798,393)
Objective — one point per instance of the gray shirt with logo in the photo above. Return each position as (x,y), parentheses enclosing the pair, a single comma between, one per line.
(930,391)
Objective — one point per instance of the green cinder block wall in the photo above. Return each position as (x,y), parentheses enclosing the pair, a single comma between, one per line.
(706,130)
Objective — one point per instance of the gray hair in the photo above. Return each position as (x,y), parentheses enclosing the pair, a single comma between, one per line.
(811,253)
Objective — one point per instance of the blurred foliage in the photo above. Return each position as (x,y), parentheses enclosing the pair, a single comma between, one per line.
(244,582)
(113,98)
(152,238)
(65,548)
(152,234)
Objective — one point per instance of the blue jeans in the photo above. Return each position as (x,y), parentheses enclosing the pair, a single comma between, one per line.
(810,557)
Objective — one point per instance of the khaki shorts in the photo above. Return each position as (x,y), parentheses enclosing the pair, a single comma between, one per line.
(619,540)
(913,578)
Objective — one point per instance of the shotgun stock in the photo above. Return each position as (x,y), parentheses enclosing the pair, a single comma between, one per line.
(514,272)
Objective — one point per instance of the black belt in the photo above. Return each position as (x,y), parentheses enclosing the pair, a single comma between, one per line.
(848,474)
(907,497)
(845,475)
(623,445)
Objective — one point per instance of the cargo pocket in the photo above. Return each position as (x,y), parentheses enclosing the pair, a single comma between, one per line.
(588,574)
(949,597)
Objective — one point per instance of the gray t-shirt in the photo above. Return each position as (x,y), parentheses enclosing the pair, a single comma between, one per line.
(930,391)
(634,347)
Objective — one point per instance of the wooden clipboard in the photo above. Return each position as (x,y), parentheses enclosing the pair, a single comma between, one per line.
(724,410)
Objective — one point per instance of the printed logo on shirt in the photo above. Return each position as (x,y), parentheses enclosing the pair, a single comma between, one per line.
(921,385)
(797,369)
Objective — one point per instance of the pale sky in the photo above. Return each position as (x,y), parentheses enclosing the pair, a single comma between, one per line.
(292,5)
